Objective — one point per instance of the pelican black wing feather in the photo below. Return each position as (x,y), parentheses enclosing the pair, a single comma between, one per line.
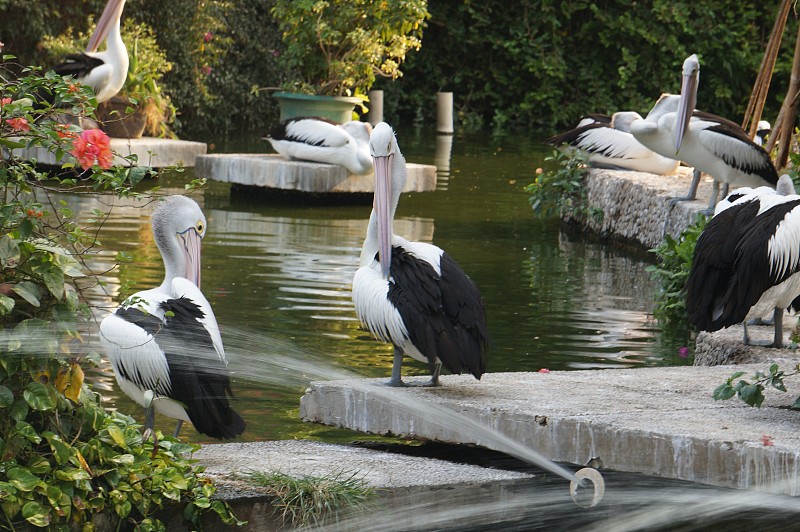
(754,272)
(77,65)
(198,378)
(443,313)
(713,264)
(281,131)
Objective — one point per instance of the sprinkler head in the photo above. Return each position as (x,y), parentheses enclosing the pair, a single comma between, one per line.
(587,476)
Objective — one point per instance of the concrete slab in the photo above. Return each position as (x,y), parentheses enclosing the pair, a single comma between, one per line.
(654,421)
(272,171)
(153,152)
(400,481)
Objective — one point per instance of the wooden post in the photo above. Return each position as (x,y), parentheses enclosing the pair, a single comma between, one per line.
(375,114)
(444,113)
(788,111)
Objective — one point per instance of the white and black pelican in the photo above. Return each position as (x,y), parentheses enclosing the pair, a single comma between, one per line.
(411,294)
(763,131)
(320,140)
(746,262)
(713,144)
(105,72)
(611,145)
(164,343)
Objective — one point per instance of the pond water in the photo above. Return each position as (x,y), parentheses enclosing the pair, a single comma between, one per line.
(278,272)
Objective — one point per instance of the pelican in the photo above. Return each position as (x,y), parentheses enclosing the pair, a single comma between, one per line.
(714,145)
(762,132)
(105,72)
(320,140)
(611,145)
(747,260)
(411,294)
(164,343)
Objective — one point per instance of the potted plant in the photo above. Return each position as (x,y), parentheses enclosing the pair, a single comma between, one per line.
(140,106)
(336,49)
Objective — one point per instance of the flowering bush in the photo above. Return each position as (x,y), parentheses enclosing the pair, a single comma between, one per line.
(65,460)
(93,147)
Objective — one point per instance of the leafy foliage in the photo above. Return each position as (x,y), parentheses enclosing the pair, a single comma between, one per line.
(312,500)
(339,47)
(561,189)
(752,393)
(674,264)
(63,458)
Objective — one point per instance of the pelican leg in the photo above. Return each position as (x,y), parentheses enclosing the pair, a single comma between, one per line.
(149,414)
(692,194)
(778,319)
(725,189)
(396,380)
(178,426)
(712,202)
(437,369)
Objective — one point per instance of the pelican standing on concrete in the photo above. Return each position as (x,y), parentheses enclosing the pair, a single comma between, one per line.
(164,343)
(105,72)
(746,262)
(611,145)
(411,294)
(319,140)
(713,144)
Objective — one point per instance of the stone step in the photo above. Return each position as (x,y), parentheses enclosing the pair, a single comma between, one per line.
(272,171)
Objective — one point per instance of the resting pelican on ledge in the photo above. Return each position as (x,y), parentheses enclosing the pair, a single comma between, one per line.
(319,140)
(411,294)
(611,145)
(164,343)
(105,72)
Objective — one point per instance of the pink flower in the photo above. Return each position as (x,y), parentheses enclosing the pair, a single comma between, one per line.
(767,440)
(93,147)
(19,124)
(5,101)
(683,352)
(544,370)
(208,36)
(206,70)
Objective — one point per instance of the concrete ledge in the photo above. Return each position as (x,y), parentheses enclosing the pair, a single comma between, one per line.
(400,481)
(636,207)
(725,347)
(153,152)
(654,421)
(274,172)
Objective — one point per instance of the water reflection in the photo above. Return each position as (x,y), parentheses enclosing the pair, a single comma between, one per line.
(283,271)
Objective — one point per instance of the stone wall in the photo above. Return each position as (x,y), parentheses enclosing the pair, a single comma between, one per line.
(636,205)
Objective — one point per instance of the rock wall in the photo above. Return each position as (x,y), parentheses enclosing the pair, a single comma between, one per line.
(636,205)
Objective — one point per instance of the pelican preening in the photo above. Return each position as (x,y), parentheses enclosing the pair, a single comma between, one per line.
(411,294)
(105,72)
(611,145)
(707,142)
(164,343)
(747,260)
(319,140)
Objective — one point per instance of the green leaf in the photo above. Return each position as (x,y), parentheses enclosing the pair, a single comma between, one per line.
(40,397)
(6,397)
(22,479)
(752,394)
(60,448)
(9,251)
(72,474)
(11,144)
(36,514)
(723,392)
(28,291)
(117,435)
(6,304)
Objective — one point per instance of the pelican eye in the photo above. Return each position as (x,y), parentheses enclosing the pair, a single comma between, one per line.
(200,227)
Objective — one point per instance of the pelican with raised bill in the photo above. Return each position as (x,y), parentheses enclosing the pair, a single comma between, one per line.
(412,294)
(320,140)
(746,262)
(715,145)
(164,343)
(611,145)
(105,72)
